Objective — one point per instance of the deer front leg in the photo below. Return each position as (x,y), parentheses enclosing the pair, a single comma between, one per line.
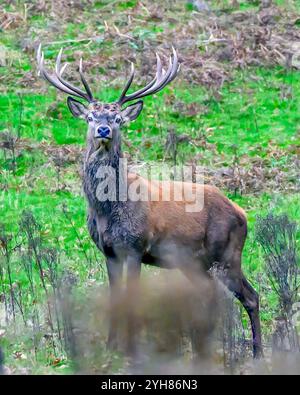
(133,276)
(115,271)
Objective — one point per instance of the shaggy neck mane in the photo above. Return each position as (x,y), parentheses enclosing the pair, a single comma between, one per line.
(125,220)
(96,163)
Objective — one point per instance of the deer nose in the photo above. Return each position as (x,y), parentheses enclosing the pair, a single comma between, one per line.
(103,131)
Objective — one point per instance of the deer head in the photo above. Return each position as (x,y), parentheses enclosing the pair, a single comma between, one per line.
(105,119)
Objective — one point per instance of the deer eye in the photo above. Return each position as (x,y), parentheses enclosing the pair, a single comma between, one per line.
(90,119)
(118,119)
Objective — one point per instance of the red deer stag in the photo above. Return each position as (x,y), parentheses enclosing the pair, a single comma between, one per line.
(136,232)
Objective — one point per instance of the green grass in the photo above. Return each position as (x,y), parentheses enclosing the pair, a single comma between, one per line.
(240,120)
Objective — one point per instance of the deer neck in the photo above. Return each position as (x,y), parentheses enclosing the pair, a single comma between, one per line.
(104,155)
(96,165)
(125,220)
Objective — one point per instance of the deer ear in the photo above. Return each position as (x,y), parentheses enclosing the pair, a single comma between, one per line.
(78,109)
(131,112)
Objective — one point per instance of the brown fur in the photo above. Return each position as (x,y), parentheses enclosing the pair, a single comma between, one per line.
(169,222)
(195,242)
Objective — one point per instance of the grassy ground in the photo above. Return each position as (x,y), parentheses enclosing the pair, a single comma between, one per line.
(239,115)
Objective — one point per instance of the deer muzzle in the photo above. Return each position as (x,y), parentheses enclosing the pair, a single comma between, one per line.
(103,132)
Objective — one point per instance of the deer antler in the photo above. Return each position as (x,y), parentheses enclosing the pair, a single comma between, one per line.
(58,82)
(161,79)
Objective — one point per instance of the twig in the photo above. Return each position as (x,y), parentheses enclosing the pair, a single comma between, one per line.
(71,41)
(213,40)
(66,214)
(123,35)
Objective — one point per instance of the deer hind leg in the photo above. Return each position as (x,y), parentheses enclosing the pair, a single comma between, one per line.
(250,300)
(244,292)
(230,261)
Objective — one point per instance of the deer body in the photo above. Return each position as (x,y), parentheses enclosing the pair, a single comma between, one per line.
(147,227)
(156,232)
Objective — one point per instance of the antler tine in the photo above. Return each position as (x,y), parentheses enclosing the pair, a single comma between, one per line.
(52,79)
(149,85)
(174,70)
(56,79)
(84,81)
(62,70)
(171,73)
(59,70)
(127,86)
(161,79)
(168,76)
